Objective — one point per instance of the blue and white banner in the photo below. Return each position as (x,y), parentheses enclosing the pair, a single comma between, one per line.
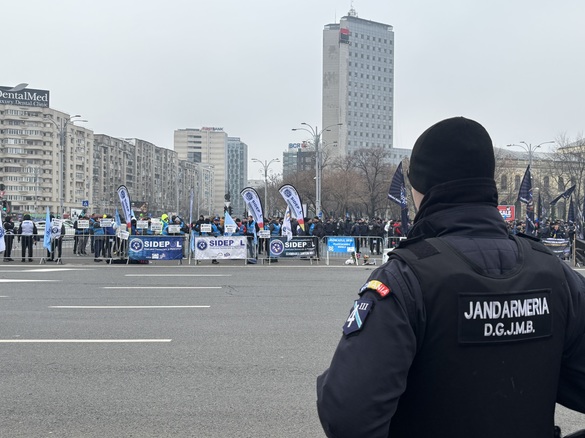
(126,205)
(254,205)
(286,226)
(340,244)
(55,228)
(303,246)
(47,238)
(155,248)
(229,224)
(293,200)
(220,248)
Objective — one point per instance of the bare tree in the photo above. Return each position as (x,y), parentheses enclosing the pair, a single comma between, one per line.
(375,175)
(341,189)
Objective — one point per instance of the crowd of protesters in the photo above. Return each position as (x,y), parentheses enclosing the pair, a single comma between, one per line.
(96,235)
(549,229)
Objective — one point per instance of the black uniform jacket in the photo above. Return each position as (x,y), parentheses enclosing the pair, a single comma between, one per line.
(366,385)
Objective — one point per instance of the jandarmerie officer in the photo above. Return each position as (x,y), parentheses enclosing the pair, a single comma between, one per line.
(466,331)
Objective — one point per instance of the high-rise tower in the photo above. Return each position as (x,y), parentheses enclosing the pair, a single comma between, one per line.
(358,84)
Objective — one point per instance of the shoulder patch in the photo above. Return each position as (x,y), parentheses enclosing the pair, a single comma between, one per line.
(376,285)
(357,316)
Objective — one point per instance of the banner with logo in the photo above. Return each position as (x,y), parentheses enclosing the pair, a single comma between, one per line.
(300,246)
(55,228)
(508,212)
(155,248)
(220,248)
(126,205)
(293,200)
(47,238)
(340,244)
(24,97)
(254,205)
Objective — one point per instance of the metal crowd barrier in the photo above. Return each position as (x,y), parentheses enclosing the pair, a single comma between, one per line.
(30,249)
(357,250)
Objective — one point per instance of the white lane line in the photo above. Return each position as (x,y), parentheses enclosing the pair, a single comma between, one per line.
(16,280)
(129,307)
(44,270)
(162,287)
(178,275)
(3,296)
(80,341)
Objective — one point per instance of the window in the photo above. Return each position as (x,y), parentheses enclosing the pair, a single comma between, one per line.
(516,182)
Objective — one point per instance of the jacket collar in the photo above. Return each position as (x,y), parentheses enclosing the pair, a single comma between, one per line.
(463,207)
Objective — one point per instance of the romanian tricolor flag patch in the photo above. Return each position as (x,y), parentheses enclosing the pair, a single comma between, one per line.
(376,285)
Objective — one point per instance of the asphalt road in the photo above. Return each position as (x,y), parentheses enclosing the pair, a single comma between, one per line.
(90,350)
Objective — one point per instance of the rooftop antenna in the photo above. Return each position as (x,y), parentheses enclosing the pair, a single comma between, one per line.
(352,12)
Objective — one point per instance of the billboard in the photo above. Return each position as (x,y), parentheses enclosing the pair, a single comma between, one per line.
(25,97)
(508,212)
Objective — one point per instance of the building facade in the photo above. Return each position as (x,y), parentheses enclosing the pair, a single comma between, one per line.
(207,145)
(237,174)
(358,84)
(45,158)
(48,160)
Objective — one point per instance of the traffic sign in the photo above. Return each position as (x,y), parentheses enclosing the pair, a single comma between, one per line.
(85,203)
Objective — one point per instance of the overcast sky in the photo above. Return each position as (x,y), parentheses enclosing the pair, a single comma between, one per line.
(143,68)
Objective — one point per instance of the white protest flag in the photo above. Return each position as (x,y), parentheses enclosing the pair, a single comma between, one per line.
(126,205)
(286,227)
(229,224)
(293,200)
(254,205)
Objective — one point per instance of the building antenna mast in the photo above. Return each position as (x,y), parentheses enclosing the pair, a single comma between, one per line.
(352,12)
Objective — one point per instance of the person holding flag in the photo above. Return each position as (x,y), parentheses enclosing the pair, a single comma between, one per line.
(466,331)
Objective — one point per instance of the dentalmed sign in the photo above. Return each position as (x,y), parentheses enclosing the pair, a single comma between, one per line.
(25,97)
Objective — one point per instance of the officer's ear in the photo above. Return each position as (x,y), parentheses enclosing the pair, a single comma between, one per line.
(417,198)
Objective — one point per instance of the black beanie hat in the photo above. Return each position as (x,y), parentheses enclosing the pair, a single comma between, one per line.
(452,149)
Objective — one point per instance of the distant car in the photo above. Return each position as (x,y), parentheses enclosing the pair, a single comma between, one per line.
(69,230)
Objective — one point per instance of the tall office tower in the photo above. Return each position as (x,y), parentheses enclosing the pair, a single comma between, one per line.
(207,146)
(237,174)
(358,85)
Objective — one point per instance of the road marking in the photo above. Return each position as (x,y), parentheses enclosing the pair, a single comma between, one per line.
(80,341)
(162,287)
(178,275)
(128,307)
(16,280)
(44,270)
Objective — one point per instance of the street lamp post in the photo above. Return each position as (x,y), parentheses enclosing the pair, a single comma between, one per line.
(530,148)
(314,131)
(265,165)
(62,139)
